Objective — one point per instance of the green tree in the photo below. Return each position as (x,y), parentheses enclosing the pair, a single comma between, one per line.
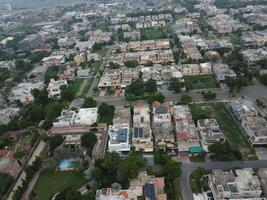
(89,102)
(88,141)
(151,86)
(172,169)
(136,88)
(158,96)
(131,63)
(5,183)
(186,99)
(176,85)
(209,95)
(55,141)
(106,113)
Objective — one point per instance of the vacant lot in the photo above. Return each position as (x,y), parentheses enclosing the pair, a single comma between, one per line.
(50,183)
(201,82)
(227,125)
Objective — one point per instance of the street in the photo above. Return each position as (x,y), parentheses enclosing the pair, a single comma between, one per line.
(188,168)
(97,76)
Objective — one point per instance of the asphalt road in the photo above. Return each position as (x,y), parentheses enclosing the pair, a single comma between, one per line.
(97,76)
(188,168)
(222,96)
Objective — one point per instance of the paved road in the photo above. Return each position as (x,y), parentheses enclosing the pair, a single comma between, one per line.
(188,168)
(37,152)
(97,76)
(222,96)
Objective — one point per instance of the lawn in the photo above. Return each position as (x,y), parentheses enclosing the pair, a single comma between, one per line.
(153,34)
(227,125)
(50,183)
(201,82)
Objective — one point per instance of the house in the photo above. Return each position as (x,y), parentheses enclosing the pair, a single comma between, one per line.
(255,128)
(189,47)
(142,138)
(222,71)
(132,35)
(119,138)
(196,69)
(263,180)
(83,73)
(153,187)
(85,116)
(210,132)
(186,132)
(53,60)
(122,115)
(241,108)
(24,89)
(111,194)
(30,42)
(80,58)
(237,184)
(54,88)
(162,127)
(7,114)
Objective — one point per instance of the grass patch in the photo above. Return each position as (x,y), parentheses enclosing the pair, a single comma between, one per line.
(201,82)
(227,125)
(173,189)
(50,183)
(198,181)
(153,34)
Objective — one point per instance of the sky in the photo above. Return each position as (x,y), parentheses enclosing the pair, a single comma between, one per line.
(35,3)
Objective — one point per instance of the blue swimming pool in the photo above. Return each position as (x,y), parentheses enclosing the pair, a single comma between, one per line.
(68,164)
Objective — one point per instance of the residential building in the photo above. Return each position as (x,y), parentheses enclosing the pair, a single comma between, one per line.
(237,184)
(162,127)
(153,187)
(7,114)
(255,128)
(85,116)
(24,89)
(186,132)
(142,138)
(111,194)
(210,132)
(189,47)
(118,78)
(83,73)
(53,60)
(30,42)
(132,35)
(54,88)
(196,69)
(241,108)
(263,180)
(222,71)
(122,115)
(119,138)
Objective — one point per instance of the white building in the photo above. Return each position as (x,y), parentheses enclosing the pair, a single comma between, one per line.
(210,132)
(8,114)
(24,89)
(54,88)
(243,184)
(119,135)
(85,116)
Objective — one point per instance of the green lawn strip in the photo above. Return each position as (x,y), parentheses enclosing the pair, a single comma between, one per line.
(226,122)
(201,82)
(50,183)
(198,181)
(75,85)
(173,190)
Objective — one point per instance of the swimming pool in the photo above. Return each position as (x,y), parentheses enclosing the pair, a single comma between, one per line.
(68,164)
